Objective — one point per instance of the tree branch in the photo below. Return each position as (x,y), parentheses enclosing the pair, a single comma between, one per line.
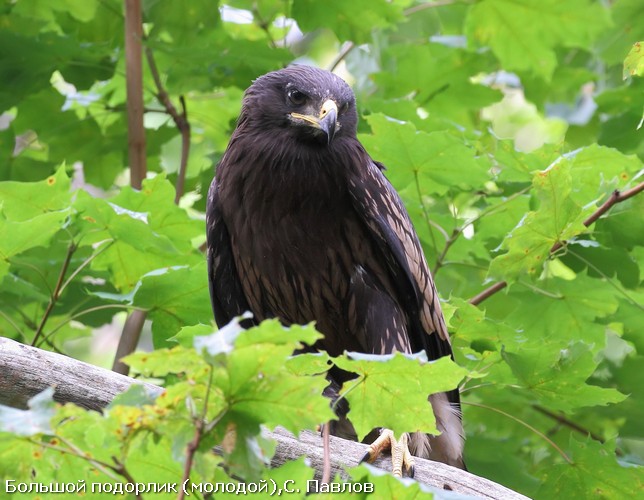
(561,419)
(136,139)
(615,198)
(488,292)
(129,340)
(344,52)
(27,371)
(134,87)
(180,120)
(55,294)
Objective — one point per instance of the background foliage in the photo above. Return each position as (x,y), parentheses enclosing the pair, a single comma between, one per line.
(504,125)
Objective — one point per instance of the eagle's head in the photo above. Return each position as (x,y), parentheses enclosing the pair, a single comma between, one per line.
(309,104)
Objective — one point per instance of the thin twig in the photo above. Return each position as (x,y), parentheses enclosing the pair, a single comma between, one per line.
(568,423)
(450,241)
(180,120)
(105,468)
(458,231)
(56,293)
(326,447)
(614,198)
(192,446)
(83,264)
(119,468)
(488,292)
(87,311)
(74,450)
(525,424)
(264,26)
(575,426)
(344,51)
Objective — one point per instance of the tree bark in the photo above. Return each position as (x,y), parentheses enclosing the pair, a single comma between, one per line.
(25,371)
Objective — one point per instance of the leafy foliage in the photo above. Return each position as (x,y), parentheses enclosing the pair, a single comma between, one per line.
(504,125)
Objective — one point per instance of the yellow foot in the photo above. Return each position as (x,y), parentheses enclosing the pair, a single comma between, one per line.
(400,456)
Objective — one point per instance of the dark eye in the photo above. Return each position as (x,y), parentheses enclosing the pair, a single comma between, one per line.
(296,97)
(344,108)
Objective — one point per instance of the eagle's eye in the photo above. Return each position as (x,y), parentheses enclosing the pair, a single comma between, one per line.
(296,97)
(344,108)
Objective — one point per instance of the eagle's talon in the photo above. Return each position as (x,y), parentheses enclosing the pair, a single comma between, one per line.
(401,458)
(366,457)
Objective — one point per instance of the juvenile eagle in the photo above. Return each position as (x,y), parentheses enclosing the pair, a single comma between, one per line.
(302,225)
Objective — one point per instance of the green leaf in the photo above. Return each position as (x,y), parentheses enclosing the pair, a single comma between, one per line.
(594,470)
(440,160)
(391,391)
(261,391)
(161,362)
(557,219)
(310,363)
(155,199)
(349,20)
(516,166)
(524,33)
(137,247)
(568,310)
(186,336)
(634,62)
(17,237)
(174,297)
(597,170)
(22,201)
(561,385)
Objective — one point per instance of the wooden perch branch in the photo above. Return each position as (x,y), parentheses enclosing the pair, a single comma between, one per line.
(615,198)
(25,371)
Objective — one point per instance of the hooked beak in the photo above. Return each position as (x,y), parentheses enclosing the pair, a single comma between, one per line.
(326,121)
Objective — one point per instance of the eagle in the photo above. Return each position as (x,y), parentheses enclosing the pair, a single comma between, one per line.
(302,225)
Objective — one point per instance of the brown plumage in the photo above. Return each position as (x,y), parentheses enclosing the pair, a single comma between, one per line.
(302,225)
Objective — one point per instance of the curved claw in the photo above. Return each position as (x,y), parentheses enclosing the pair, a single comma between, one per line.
(366,457)
(401,458)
